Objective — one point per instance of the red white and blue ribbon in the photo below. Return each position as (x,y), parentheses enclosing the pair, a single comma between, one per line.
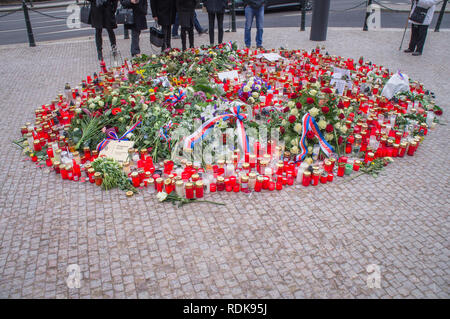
(175,98)
(164,132)
(206,128)
(112,136)
(310,124)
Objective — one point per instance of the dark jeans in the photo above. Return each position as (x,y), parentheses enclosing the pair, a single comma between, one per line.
(190,32)
(166,31)
(99,39)
(211,18)
(176,25)
(418,36)
(135,49)
(258,14)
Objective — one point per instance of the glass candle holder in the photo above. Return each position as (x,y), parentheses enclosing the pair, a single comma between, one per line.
(98,178)
(341,169)
(189,189)
(306,178)
(199,189)
(259,183)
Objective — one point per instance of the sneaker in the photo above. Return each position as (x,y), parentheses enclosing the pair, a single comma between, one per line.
(176,36)
(417,53)
(114,51)
(408,51)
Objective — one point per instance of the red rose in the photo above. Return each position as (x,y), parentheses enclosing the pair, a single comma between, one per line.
(286,109)
(341,116)
(292,119)
(340,140)
(293,96)
(313,80)
(325,109)
(298,105)
(340,105)
(282,130)
(310,100)
(327,90)
(438,112)
(329,128)
(310,135)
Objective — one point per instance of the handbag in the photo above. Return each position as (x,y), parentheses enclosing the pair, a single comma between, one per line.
(85,13)
(418,15)
(124,15)
(156,37)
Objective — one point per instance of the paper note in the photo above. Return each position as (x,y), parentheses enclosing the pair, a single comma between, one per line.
(228,75)
(339,85)
(272,57)
(117,150)
(338,73)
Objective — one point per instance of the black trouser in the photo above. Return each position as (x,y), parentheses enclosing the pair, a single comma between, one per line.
(99,39)
(135,49)
(190,32)
(211,18)
(166,30)
(418,36)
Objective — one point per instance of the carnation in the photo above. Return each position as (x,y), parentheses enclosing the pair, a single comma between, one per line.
(292,119)
(298,128)
(341,116)
(310,135)
(325,109)
(329,128)
(322,124)
(298,105)
(340,105)
(310,100)
(314,111)
(327,90)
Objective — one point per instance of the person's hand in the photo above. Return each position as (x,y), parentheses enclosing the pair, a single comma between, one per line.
(134,1)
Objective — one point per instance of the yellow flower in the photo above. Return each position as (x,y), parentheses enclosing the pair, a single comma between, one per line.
(329,136)
(294,150)
(298,128)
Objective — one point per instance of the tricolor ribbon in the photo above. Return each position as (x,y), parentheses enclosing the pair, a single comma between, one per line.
(175,98)
(310,124)
(164,132)
(206,128)
(112,136)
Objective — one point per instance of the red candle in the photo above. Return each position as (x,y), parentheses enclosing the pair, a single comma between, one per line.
(199,189)
(323,179)
(259,183)
(189,187)
(356,165)
(212,187)
(159,184)
(279,186)
(330,177)
(135,179)
(341,170)
(412,148)
(315,178)
(306,178)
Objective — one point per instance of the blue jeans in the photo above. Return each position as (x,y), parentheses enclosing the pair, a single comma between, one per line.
(176,25)
(251,13)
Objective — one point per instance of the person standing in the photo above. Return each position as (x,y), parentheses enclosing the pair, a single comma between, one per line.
(197,27)
(186,10)
(140,8)
(254,9)
(419,29)
(215,8)
(103,16)
(163,11)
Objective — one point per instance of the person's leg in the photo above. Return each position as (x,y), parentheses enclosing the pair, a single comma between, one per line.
(259,25)
(413,41)
(175,27)
(99,43)
(248,26)
(191,36)
(211,18)
(198,26)
(183,37)
(166,30)
(220,26)
(135,49)
(422,35)
(112,37)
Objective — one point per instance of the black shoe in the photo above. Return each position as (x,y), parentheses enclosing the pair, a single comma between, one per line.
(176,36)
(408,51)
(417,53)
(114,51)
(100,55)
(202,31)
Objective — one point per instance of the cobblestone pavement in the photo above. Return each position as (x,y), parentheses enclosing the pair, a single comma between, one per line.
(297,243)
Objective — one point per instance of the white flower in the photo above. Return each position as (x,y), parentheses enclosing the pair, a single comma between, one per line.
(294,112)
(92,106)
(251,100)
(294,141)
(312,92)
(247,89)
(294,150)
(101,103)
(322,124)
(208,113)
(114,100)
(255,95)
(314,111)
(329,137)
(97,98)
(298,128)
(291,104)
(337,125)
(283,123)
(343,129)
(161,196)
(310,149)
